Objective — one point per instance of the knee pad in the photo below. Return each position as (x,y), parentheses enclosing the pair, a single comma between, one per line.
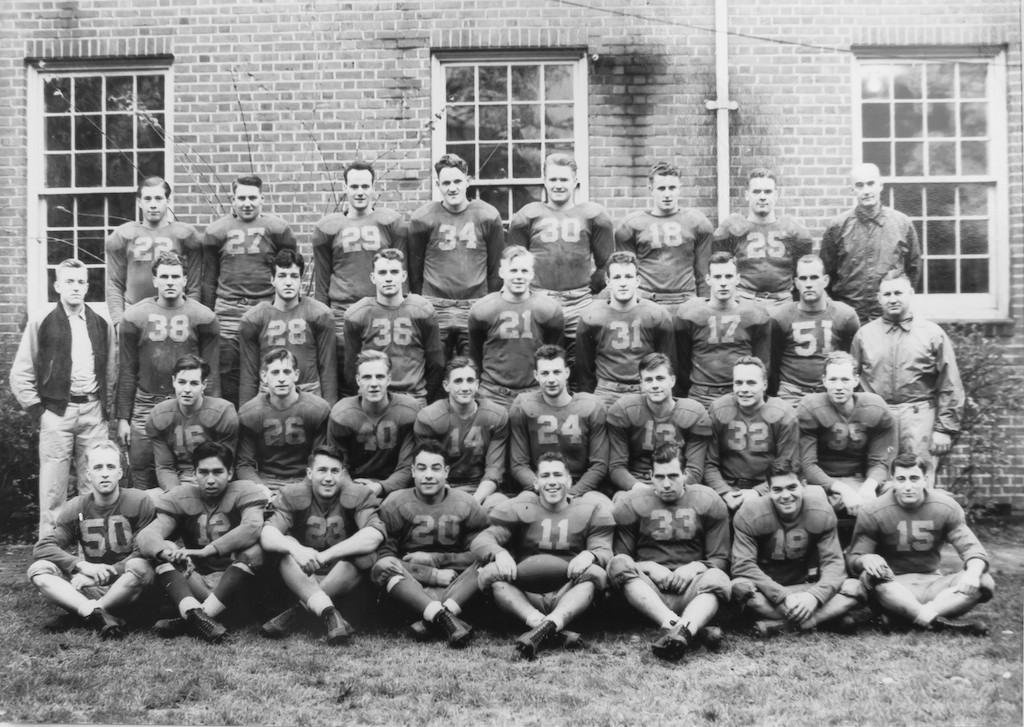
(715,582)
(853,588)
(594,574)
(622,569)
(43,567)
(141,569)
(385,569)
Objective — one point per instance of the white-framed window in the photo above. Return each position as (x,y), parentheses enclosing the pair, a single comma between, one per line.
(935,124)
(504,113)
(94,131)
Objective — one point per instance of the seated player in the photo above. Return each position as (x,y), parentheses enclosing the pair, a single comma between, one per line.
(545,554)
(424,564)
(777,542)
(177,426)
(374,429)
(109,574)
(473,432)
(640,423)
(672,554)
(748,434)
(896,550)
(279,428)
(323,527)
(219,521)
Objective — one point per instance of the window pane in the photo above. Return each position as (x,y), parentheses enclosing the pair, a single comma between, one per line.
(974,276)
(909,159)
(557,83)
(58,170)
(120,208)
(877,153)
(497,196)
(151,92)
(974,157)
(120,171)
(974,237)
(874,82)
(57,95)
(59,211)
(942,158)
(526,160)
(558,122)
(493,161)
(973,119)
(88,170)
(90,247)
(467,152)
(875,121)
(460,123)
(940,80)
(120,93)
(526,121)
(563,148)
(458,84)
(151,164)
(58,133)
(941,200)
(525,83)
(942,276)
(97,283)
(907,81)
(941,238)
(973,199)
(60,245)
(909,122)
(91,212)
(972,80)
(907,199)
(151,132)
(941,119)
(493,122)
(493,83)
(88,134)
(88,92)
(522,196)
(120,131)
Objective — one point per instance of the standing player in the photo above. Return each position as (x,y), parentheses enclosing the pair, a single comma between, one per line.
(473,432)
(109,574)
(404,327)
(806,331)
(778,541)
(304,326)
(553,420)
(613,335)
(279,429)
(766,245)
(506,328)
(154,333)
(374,429)
(237,250)
(672,554)
(712,334)
(896,549)
(344,245)
(425,564)
(640,423)
(748,435)
(179,425)
(454,251)
(218,521)
(324,527)
(545,553)
(571,242)
(672,244)
(132,247)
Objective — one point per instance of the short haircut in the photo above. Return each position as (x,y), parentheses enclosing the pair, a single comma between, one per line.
(761,173)
(460,362)
(548,352)
(430,446)
(359,166)
(453,161)
(278,354)
(208,449)
(906,460)
(104,446)
(620,258)
(287,259)
(721,258)
(325,450)
(249,181)
(840,357)
(655,360)
(69,264)
(781,468)
(153,182)
(751,361)
(895,274)
(167,257)
(390,253)
(514,251)
(553,457)
(811,259)
(370,357)
(191,362)
(666,452)
(561,159)
(663,169)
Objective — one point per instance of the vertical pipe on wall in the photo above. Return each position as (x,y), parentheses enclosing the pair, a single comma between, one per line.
(722,105)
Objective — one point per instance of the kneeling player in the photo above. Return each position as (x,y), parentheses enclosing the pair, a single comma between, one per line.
(777,540)
(110,574)
(671,555)
(219,521)
(896,549)
(546,553)
(321,525)
(425,564)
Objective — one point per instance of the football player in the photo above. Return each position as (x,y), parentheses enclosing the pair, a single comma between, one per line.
(545,554)
(324,527)
(109,574)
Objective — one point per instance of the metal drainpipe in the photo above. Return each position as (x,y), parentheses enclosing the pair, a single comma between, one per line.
(722,105)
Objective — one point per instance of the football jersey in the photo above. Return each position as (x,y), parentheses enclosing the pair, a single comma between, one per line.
(455,255)
(571,246)
(709,341)
(307,330)
(101,533)
(835,445)
(237,255)
(634,432)
(802,340)
(774,553)
(610,342)
(766,252)
(408,333)
(130,252)
(299,512)
(911,540)
(152,338)
(744,446)
(446,526)
(525,527)
(343,252)
(694,528)
(277,442)
(672,252)
(175,435)
(577,430)
(504,335)
(376,446)
(476,445)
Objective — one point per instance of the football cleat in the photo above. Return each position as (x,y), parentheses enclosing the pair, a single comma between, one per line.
(457,631)
(282,624)
(766,627)
(710,637)
(109,625)
(570,640)
(338,629)
(969,628)
(204,626)
(531,642)
(168,628)
(673,643)
(845,624)
(420,631)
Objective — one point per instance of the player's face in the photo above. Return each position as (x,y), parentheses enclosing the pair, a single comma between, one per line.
(325,474)
(761,196)
(667,480)
(213,477)
(280,377)
(169,282)
(104,471)
(71,284)
(894,296)
(359,183)
(461,385)
(908,485)
(388,277)
(811,281)
(623,282)
(665,191)
(867,187)
(840,381)
(453,184)
(553,482)
(286,282)
(189,387)
(560,182)
(787,493)
(429,475)
(722,280)
(373,381)
(247,202)
(153,203)
(749,385)
(517,274)
(656,384)
(552,375)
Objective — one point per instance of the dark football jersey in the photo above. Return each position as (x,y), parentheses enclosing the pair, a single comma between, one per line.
(319,525)
(709,341)
(237,255)
(175,435)
(504,335)
(744,446)
(672,252)
(571,246)
(277,442)
(834,445)
(377,447)
(803,340)
(610,342)
(766,252)
(447,526)
(476,445)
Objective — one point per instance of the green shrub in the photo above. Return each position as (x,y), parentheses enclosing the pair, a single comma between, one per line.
(19,468)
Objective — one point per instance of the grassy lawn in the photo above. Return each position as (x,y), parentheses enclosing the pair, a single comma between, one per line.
(383,677)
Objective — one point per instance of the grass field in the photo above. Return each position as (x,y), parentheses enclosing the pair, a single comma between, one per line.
(382,677)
